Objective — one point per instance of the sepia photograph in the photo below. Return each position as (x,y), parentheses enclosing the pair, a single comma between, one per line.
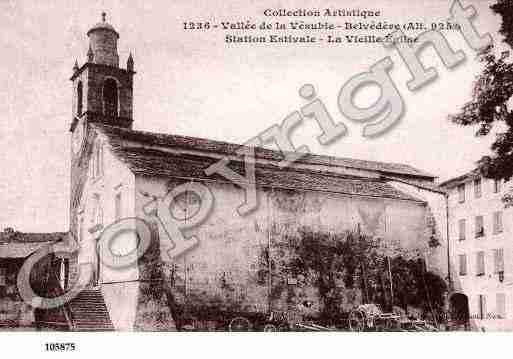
(327,169)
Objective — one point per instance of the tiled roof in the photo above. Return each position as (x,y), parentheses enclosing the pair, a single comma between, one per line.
(149,162)
(21,245)
(452,182)
(432,187)
(118,134)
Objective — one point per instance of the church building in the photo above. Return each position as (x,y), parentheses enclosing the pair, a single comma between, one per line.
(116,171)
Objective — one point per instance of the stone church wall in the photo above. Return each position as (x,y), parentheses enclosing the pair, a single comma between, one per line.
(229,268)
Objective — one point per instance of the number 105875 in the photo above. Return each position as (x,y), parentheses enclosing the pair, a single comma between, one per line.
(60,347)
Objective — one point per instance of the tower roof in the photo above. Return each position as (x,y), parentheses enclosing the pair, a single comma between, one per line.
(103,25)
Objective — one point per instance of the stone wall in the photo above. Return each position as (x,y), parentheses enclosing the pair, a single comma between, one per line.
(237,266)
(14,312)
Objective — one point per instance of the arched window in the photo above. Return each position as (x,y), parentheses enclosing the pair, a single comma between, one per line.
(110,97)
(79,98)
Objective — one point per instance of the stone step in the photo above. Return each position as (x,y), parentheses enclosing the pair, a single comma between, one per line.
(90,317)
(89,312)
(92,307)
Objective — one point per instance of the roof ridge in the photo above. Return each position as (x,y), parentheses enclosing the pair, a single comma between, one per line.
(311,158)
(265,166)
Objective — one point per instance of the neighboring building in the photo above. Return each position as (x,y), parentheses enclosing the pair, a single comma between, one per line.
(15,248)
(481,250)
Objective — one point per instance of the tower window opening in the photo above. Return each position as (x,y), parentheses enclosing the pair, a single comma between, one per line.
(110,97)
(79,98)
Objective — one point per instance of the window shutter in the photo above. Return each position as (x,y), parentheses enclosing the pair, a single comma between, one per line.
(501,305)
(497,186)
(461,192)
(479,226)
(498,257)
(462,229)
(496,261)
(2,276)
(477,188)
(480,263)
(118,203)
(482,307)
(463,264)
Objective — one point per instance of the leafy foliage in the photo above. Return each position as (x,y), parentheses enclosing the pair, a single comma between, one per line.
(358,262)
(492,90)
(505,9)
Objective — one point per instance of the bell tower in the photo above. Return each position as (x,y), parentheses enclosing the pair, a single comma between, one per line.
(102,91)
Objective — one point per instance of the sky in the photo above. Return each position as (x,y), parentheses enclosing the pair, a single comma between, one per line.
(193,83)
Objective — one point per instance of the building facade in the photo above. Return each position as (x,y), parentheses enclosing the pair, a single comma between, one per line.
(481,250)
(15,248)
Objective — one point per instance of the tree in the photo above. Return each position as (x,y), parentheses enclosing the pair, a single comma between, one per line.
(360,263)
(505,8)
(492,90)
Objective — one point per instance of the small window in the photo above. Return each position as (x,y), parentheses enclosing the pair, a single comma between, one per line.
(64,275)
(98,161)
(461,193)
(498,260)
(481,305)
(497,222)
(463,264)
(80,98)
(97,216)
(118,205)
(479,227)
(501,305)
(462,231)
(110,97)
(480,263)
(497,184)
(81,233)
(3,274)
(477,188)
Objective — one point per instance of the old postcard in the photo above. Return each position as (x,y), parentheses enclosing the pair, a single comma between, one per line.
(243,166)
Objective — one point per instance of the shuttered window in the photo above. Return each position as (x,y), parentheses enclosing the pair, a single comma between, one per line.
(497,186)
(117,205)
(97,216)
(81,230)
(461,193)
(501,305)
(479,227)
(481,305)
(97,159)
(480,263)
(463,264)
(498,260)
(477,188)
(497,222)
(462,231)
(3,273)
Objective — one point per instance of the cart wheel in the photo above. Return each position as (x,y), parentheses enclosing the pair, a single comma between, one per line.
(393,325)
(239,324)
(270,328)
(356,321)
(283,327)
